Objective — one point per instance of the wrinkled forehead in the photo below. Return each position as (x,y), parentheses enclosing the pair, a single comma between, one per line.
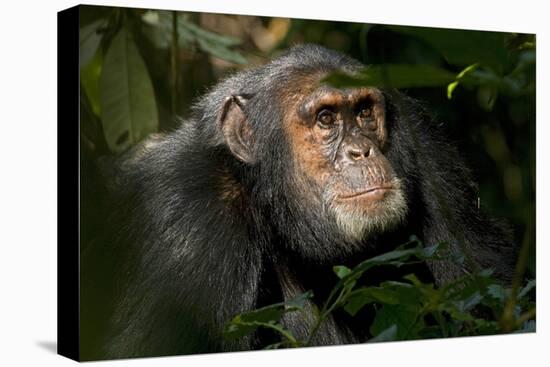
(330,96)
(310,87)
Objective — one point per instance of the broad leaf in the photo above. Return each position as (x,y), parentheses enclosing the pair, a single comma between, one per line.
(267,317)
(486,48)
(215,44)
(89,41)
(404,317)
(394,76)
(128,105)
(220,51)
(391,293)
(89,80)
(215,38)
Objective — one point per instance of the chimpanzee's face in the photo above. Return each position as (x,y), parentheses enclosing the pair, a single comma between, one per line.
(338,138)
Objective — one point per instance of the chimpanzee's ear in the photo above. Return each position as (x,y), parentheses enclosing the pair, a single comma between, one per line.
(236,128)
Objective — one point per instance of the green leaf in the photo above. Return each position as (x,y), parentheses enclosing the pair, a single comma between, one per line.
(457,314)
(128,105)
(356,302)
(398,257)
(415,281)
(430,332)
(487,96)
(525,290)
(486,48)
(238,329)
(221,51)
(498,292)
(160,32)
(212,37)
(386,335)
(189,33)
(89,41)
(341,271)
(394,76)
(429,251)
(392,293)
(267,314)
(472,301)
(404,317)
(451,87)
(485,327)
(274,346)
(299,302)
(267,317)
(89,79)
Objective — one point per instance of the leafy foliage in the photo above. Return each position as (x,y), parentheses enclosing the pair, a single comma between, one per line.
(189,34)
(493,64)
(116,79)
(407,309)
(268,317)
(128,106)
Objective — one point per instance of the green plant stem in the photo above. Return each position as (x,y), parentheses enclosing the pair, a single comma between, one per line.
(507,321)
(295,343)
(327,309)
(322,317)
(365,28)
(439,318)
(174,63)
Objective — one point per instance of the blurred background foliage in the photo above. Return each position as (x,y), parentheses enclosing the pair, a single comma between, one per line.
(141,70)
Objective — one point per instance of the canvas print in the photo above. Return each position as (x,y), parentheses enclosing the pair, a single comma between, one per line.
(254,183)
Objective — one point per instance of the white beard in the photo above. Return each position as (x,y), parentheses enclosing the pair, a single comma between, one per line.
(357,224)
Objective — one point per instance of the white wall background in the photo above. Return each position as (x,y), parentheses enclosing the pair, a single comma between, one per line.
(28,181)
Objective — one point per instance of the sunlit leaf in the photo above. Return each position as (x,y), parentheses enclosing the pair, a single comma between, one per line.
(450,89)
(341,271)
(452,86)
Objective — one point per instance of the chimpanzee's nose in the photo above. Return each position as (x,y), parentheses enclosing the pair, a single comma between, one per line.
(356,152)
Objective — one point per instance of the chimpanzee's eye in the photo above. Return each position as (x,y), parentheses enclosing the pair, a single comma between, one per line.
(365,113)
(326,118)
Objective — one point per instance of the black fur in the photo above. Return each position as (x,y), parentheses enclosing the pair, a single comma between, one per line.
(175,261)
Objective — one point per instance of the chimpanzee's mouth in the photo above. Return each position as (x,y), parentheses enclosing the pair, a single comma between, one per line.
(372,193)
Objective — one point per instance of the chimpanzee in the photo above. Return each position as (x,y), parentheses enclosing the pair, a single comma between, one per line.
(275,178)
